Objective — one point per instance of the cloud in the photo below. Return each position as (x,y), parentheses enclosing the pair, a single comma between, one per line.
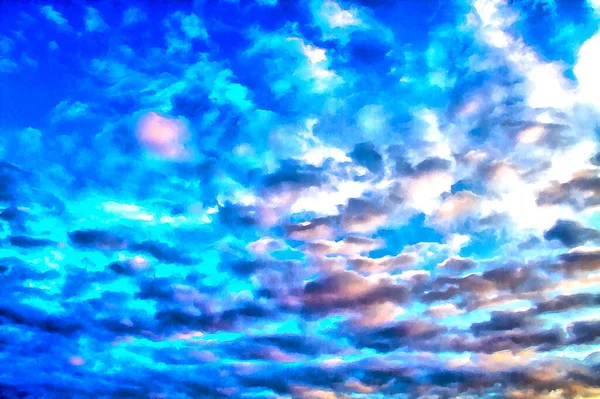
(443,310)
(363,216)
(588,80)
(354,198)
(366,155)
(501,321)
(93,20)
(133,15)
(29,242)
(192,27)
(350,245)
(315,229)
(579,260)
(52,15)
(566,302)
(579,193)
(457,264)
(162,252)
(66,110)
(457,206)
(386,263)
(164,136)
(347,289)
(399,335)
(571,234)
(100,239)
(336,17)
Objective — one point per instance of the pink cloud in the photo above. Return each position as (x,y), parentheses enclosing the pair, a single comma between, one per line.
(162,136)
(76,361)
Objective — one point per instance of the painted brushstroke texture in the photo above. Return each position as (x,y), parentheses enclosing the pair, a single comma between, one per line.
(300,199)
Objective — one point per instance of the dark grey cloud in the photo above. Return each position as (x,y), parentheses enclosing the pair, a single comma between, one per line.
(163,252)
(33,317)
(11,178)
(579,262)
(239,216)
(584,332)
(517,278)
(572,193)
(571,233)
(366,155)
(300,344)
(439,295)
(411,334)
(29,242)
(346,290)
(156,288)
(295,175)
(433,165)
(502,321)
(567,302)
(123,267)
(97,239)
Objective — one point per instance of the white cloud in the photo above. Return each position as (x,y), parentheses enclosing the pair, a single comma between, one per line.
(127,211)
(443,310)
(325,201)
(531,135)
(25,59)
(456,241)
(53,15)
(6,45)
(437,142)
(378,314)
(66,110)
(192,26)
(7,65)
(93,20)
(423,192)
(545,82)
(595,5)
(457,205)
(313,53)
(133,15)
(318,154)
(337,17)
(587,71)
(269,3)
(373,120)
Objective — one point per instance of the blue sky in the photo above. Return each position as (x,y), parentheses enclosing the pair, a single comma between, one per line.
(285,199)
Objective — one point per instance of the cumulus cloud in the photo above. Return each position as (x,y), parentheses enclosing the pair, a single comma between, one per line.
(52,15)
(94,21)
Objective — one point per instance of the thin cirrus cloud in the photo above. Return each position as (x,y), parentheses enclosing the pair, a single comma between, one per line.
(322,199)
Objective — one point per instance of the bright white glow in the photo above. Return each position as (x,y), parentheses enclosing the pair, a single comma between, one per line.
(586,70)
(314,54)
(337,17)
(317,155)
(531,135)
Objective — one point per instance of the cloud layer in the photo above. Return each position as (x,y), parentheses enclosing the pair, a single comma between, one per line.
(281,199)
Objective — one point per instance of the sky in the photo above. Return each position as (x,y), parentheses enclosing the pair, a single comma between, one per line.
(312,199)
